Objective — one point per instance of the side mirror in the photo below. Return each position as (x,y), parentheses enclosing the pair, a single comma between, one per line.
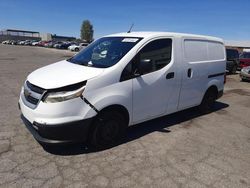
(145,66)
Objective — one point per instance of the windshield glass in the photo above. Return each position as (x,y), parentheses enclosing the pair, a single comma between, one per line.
(105,52)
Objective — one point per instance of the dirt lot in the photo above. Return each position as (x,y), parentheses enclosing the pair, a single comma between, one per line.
(179,150)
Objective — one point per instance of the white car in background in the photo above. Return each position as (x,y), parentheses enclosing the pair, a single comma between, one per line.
(245,74)
(5,42)
(22,42)
(78,47)
(35,43)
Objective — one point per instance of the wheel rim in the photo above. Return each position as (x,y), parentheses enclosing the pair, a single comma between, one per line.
(109,130)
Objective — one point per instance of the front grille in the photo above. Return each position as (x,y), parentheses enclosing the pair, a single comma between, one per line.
(32,94)
(32,100)
(35,88)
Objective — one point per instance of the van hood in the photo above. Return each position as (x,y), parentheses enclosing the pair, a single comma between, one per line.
(61,74)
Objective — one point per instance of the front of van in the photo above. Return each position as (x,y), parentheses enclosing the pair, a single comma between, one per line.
(52,101)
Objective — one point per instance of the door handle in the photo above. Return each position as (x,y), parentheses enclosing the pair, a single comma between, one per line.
(170,75)
(189,73)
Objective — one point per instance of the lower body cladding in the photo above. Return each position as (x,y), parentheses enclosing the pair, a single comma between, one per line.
(58,123)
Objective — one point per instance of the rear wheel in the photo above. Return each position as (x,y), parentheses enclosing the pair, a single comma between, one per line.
(208,101)
(76,49)
(109,129)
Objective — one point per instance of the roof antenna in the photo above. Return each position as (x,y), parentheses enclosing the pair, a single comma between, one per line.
(131,27)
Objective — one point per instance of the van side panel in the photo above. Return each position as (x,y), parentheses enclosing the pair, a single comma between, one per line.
(217,66)
(194,73)
(203,66)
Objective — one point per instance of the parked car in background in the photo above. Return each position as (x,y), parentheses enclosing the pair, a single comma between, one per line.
(21,42)
(42,43)
(72,46)
(64,45)
(57,44)
(232,60)
(245,73)
(10,42)
(13,42)
(27,43)
(5,42)
(49,44)
(244,60)
(77,48)
(34,43)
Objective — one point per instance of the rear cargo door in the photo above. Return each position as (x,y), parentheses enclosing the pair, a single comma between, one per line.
(194,72)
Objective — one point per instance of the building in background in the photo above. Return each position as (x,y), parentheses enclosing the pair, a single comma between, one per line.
(239,45)
(48,37)
(14,34)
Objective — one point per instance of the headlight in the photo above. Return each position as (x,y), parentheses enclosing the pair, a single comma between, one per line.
(63,95)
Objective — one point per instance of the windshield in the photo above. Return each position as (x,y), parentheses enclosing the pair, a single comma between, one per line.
(245,55)
(105,52)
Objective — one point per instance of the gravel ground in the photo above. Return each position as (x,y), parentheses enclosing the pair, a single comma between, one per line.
(179,150)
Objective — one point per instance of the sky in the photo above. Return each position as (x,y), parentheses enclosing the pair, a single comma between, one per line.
(228,19)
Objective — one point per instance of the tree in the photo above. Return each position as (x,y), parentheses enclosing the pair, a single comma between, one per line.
(87,31)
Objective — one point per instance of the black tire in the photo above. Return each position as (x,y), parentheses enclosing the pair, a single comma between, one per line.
(77,49)
(109,129)
(208,100)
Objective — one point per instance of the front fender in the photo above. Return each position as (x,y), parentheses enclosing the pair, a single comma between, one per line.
(115,94)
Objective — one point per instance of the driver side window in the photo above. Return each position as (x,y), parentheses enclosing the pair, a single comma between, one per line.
(152,57)
(156,53)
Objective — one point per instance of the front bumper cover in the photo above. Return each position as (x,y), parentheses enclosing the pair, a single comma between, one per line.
(61,133)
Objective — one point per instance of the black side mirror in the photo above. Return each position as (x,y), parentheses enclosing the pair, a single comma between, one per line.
(145,66)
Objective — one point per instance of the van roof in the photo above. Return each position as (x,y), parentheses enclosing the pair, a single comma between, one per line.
(151,34)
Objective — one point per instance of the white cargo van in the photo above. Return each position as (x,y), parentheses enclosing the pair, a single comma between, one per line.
(121,80)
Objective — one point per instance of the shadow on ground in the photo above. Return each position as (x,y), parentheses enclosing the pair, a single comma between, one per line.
(134,132)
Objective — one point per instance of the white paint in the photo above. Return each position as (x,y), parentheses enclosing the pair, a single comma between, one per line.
(145,97)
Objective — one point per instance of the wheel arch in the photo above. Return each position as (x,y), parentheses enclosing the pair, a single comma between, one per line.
(211,87)
(117,107)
